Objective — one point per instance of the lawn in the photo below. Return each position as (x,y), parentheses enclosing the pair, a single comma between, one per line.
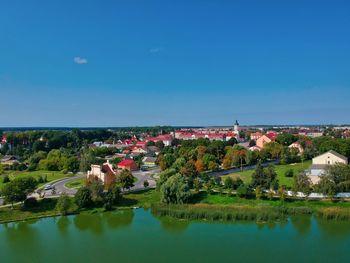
(143,198)
(76,183)
(224,199)
(246,176)
(51,175)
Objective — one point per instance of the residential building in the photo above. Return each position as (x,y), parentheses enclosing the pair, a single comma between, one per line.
(297,146)
(262,141)
(128,165)
(104,173)
(321,162)
(255,135)
(149,161)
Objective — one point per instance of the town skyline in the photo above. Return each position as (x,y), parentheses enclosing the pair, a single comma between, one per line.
(184,63)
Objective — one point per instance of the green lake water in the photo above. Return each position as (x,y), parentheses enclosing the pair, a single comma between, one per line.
(138,236)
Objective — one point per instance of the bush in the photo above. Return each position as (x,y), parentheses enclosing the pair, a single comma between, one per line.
(243,191)
(30,202)
(83,198)
(63,204)
(6,179)
(145,183)
(289,173)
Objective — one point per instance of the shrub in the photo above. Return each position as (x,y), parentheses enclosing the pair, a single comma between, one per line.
(63,204)
(83,198)
(243,191)
(6,179)
(145,183)
(289,173)
(30,202)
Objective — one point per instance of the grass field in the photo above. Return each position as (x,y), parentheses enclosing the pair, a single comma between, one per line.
(246,176)
(223,199)
(76,183)
(51,175)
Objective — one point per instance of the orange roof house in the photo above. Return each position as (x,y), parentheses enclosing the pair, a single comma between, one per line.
(128,165)
(262,141)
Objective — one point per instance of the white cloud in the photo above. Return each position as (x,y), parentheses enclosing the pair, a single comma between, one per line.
(156,50)
(80,60)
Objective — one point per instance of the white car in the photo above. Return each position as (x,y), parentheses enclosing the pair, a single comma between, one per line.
(48,187)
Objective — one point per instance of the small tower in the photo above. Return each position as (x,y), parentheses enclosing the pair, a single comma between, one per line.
(235,127)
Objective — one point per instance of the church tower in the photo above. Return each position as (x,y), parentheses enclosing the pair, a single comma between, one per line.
(235,127)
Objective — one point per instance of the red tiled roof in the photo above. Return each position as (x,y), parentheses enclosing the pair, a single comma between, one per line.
(126,163)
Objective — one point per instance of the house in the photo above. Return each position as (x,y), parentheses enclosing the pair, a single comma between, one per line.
(256,135)
(9,160)
(152,151)
(135,149)
(321,162)
(262,141)
(149,161)
(128,165)
(104,173)
(297,146)
(167,139)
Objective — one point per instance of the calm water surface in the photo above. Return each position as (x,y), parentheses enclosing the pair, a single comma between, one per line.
(138,236)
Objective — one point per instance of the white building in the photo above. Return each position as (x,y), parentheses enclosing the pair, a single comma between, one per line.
(321,162)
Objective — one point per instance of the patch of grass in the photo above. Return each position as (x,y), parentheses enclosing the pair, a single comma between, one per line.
(280,169)
(143,198)
(76,183)
(51,175)
(224,199)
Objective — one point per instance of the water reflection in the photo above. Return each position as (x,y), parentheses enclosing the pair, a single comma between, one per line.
(63,223)
(89,222)
(301,223)
(120,219)
(173,225)
(333,228)
(22,238)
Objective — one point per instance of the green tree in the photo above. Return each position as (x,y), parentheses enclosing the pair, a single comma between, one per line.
(96,188)
(302,183)
(228,182)
(175,190)
(125,179)
(197,184)
(258,192)
(83,197)
(282,193)
(164,176)
(72,164)
(63,204)
(243,191)
(18,189)
(189,170)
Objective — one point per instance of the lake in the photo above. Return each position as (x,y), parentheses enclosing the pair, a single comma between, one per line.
(138,236)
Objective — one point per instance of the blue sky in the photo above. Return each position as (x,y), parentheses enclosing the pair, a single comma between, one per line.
(122,63)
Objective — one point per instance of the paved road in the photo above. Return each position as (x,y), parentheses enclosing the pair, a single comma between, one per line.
(141,176)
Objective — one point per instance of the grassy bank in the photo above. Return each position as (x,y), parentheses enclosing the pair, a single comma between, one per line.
(44,208)
(228,212)
(281,169)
